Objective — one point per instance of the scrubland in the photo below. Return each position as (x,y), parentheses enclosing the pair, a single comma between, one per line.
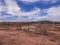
(31,33)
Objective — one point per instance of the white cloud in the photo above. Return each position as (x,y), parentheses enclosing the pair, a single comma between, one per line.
(14,10)
(12,7)
(33,12)
(53,14)
(43,1)
(3,9)
(30,1)
(51,1)
(54,11)
(30,14)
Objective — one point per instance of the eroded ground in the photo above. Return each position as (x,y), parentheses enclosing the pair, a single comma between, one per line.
(16,37)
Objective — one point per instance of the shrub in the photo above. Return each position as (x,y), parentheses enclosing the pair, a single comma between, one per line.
(18,28)
(41,32)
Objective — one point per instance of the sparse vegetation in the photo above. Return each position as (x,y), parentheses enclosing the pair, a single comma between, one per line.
(41,32)
(18,28)
(31,33)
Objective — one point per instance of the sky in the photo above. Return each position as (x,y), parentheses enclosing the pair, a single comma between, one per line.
(29,10)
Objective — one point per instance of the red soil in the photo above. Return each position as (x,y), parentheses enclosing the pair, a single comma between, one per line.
(24,38)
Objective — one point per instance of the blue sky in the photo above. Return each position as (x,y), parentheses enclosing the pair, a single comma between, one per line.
(29,10)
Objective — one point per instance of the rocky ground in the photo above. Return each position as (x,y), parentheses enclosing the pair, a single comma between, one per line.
(16,37)
(38,33)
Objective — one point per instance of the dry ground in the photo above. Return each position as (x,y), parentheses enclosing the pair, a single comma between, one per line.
(15,37)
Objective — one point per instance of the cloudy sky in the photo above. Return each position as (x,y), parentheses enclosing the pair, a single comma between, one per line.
(29,10)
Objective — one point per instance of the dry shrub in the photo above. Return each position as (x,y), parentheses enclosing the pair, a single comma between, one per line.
(41,32)
(18,28)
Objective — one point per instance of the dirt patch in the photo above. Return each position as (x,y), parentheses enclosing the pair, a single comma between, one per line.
(24,38)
